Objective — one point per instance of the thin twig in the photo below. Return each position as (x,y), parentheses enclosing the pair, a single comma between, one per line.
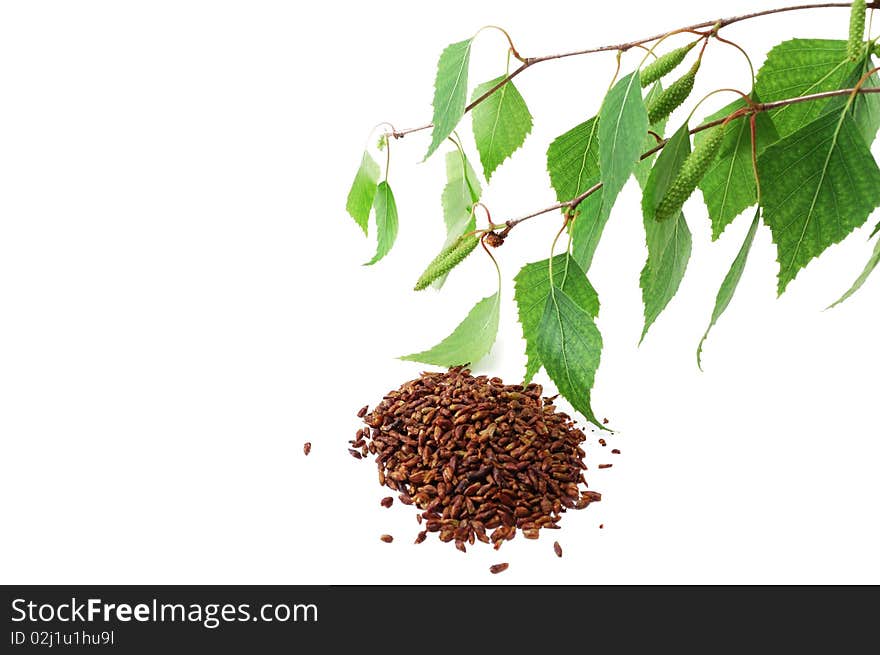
(623,47)
(572,204)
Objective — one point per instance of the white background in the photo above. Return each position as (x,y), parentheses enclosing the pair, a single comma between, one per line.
(182,305)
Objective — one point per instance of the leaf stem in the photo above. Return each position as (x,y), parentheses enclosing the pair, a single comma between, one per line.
(492,257)
(387,158)
(553,249)
(744,96)
(513,49)
(659,41)
(744,53)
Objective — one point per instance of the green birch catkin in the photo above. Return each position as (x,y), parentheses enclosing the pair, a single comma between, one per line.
(671,98)
(855,45)
(692,171)
(664,64)
(450,257)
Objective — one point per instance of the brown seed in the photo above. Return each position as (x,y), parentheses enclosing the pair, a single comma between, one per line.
(605,466)
(362,411)
(498,568)
(387,501)
(387,538)
(354,453)
(421,536)
(557,549)
(473,454)
(601,525)
(615,451)
(604,421)
(307,448)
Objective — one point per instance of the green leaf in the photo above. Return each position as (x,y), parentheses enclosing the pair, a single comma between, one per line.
(386,221)
(573,165)
(470,341)
(586,230)
(669,241)
(866,106)
(450,91)
(532,288)
(462,190)
(573,160)
(570,347)
(623,122)
(800,67)
(643,167)
(501,123)
(860,280)
(729,185)
(731,280)
(362,192)
(818,185)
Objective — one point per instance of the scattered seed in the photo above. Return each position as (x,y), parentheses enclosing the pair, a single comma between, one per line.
(615,451)
(602,442)
(354,453)
(363,411)
(604,421)
(421,536)
(498,568)
(479,459)
(307,448)
(557,549)
(387,538)
(605,466)
(601,525)
(387,501)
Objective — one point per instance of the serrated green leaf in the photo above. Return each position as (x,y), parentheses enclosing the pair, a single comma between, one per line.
(462,190)
(866,106)
(730,282)
(818,185)
(669,241)
(500,123)
(450,91)
(586,230)
(860,280)
(800,67)
(573,160)
(623,122)
(386,221)
(570,347)
(573,165)
(470,341)
(643,167)
(729,185)
(362,192)
(532,287)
